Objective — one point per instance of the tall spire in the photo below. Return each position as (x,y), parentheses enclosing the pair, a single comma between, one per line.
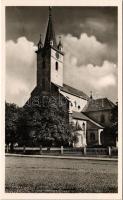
(50,34)
(50,11)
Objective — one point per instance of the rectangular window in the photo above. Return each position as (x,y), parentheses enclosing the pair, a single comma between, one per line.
(43,84)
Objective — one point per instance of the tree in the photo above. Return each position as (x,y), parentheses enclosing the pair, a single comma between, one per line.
(114,119)
(23,127)
(49,121)
(11,121)
(110,134)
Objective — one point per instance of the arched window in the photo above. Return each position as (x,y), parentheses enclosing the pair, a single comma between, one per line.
(57,66)
(79,107)
(92,137)
(102,118)
(83,126)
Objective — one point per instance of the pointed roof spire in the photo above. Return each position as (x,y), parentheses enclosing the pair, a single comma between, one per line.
(60,46)
(50,11)
(50,34)
(40,44)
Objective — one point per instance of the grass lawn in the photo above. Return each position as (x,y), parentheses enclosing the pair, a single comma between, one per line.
(36,175)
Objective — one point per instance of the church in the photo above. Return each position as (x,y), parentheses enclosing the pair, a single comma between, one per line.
(90,116)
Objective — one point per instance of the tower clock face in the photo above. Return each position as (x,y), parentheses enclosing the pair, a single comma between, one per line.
(57,55)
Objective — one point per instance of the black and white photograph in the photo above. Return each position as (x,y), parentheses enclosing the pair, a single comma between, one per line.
(62,127)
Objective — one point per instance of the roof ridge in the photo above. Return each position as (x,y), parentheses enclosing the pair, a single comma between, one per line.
(110,102)
(99,104)
(89,119)
(64,84)
(75,89)
(92,120)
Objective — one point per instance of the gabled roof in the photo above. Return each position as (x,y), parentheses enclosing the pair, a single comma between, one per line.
(73,91)
(82,116)
(98,104)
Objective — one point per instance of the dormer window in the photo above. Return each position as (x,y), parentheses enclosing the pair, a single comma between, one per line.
(56,66)
(51,42)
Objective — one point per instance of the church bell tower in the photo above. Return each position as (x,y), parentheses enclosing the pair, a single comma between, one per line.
(49,60)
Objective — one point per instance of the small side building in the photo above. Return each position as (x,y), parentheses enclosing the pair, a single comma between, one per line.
(88,131)
(100,110)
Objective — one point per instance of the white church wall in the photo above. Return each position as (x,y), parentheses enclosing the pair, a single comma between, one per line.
(56,74)
(76,103)
(81,134)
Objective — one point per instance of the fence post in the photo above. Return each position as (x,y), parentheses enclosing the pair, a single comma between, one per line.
(109,151)
(40,149)
(85,151)
(24,149)
(62,150)
(7,148)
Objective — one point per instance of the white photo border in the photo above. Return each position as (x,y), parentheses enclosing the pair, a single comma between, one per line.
(74,196)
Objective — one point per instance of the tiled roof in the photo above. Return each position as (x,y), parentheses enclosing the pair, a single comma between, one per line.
(81,116)
(73,91)
(98,104)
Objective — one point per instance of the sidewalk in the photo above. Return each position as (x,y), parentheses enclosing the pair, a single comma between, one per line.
(64,157)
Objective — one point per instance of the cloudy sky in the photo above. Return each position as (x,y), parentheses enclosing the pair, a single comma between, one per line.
(89,36)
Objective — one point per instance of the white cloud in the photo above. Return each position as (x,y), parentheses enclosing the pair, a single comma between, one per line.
(97,79)
(20,70)
(14,85)
(101,77)
(107,81)
(85,67)
(16,90)
(87,49)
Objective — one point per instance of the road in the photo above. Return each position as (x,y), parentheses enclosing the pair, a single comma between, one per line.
(36,175)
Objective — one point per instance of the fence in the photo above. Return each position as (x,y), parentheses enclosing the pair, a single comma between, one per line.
(85,151)
(96,151)
(110,151)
